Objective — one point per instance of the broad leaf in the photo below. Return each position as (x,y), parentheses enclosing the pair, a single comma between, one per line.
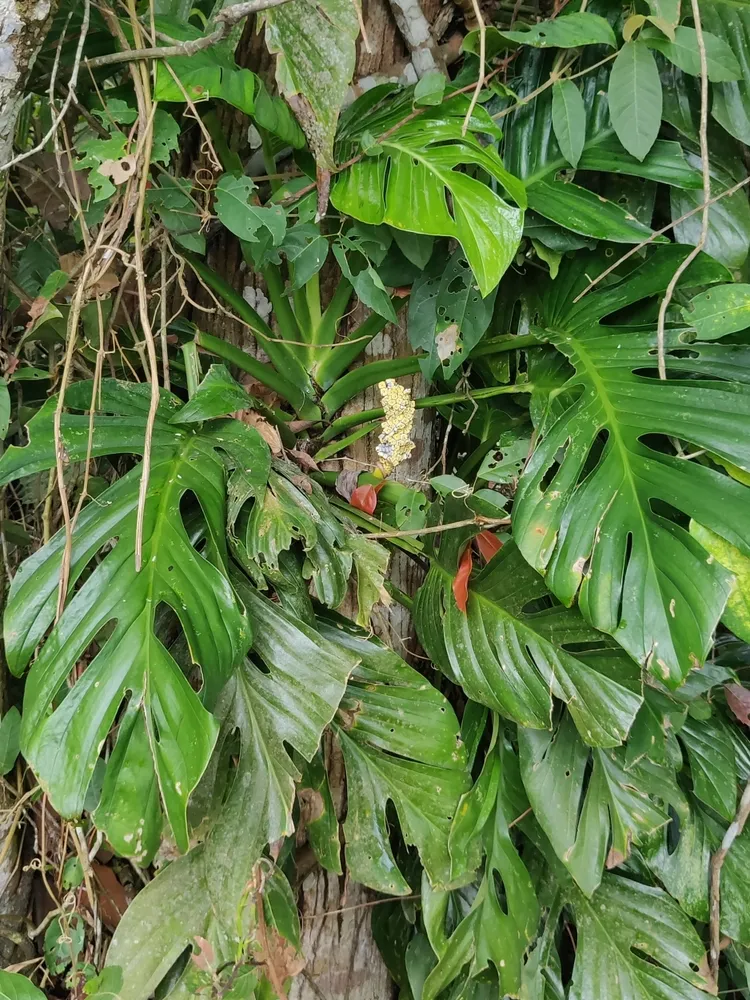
(16,987)
(569,120)
(591,807)
(514,654)
(635,943)
(401,744)
(165,735)
(290,701)
(728,219)
(635,98)
(235,208)
(711,756)
(499,927)
(580,210)
(315,46)
(587,512)
(731,100)
(406,184)
(683,51)
(566,32)
(720,311)
(294,508)
(213,73)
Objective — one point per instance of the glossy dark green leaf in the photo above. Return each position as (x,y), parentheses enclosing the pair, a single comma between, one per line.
(591,819)
(721,64)
(133,670)
(401,743)
(406,185)
(569,120)
(497,930)
(665,162)
(719,311)
(10,739)
(566,32)
(319,814)
(623,921)
(635,98)
(290,701)
(595,534)
(728,219)
(579,209)
(16,987)
(711,758)
(513,658)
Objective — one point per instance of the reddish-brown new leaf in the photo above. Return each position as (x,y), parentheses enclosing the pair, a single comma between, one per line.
(461,580)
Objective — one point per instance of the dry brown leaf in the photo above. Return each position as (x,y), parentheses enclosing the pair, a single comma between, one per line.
(447,342)
(112,898)
(42,188)
(119,171)
(306,462)
(279,960)
(311,805)
(738,700)
(266,430)
(346,483)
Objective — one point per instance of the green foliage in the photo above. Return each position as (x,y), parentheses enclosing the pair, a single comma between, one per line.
(190,590)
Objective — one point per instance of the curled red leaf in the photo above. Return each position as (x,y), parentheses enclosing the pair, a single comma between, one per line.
(364,498)
(461,579)
(488,544)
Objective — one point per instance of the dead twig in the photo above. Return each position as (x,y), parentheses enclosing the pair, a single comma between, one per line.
(225,20)
(487,522)
(706,170)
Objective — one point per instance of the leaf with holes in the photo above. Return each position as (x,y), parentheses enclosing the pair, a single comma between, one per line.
(514,650)
(414,184)
(113,636)
(591,819)
(400,740)
(289,701)
(593,510)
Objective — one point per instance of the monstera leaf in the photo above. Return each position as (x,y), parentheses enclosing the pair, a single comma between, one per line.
(515,651)
(591,807)
(401,744)
(295,509)
(498,927)
(290,700)
(410,174)
(165,733)
(601,502)
(635,943)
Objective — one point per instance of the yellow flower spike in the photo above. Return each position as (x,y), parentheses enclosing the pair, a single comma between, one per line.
(394,443)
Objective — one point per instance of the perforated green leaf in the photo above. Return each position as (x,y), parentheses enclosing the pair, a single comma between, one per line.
(407,182)
(165,734)
(589,509)
(515,656)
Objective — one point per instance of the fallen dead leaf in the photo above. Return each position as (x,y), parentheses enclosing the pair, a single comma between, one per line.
(119,171)
(306,462)
(266,430)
